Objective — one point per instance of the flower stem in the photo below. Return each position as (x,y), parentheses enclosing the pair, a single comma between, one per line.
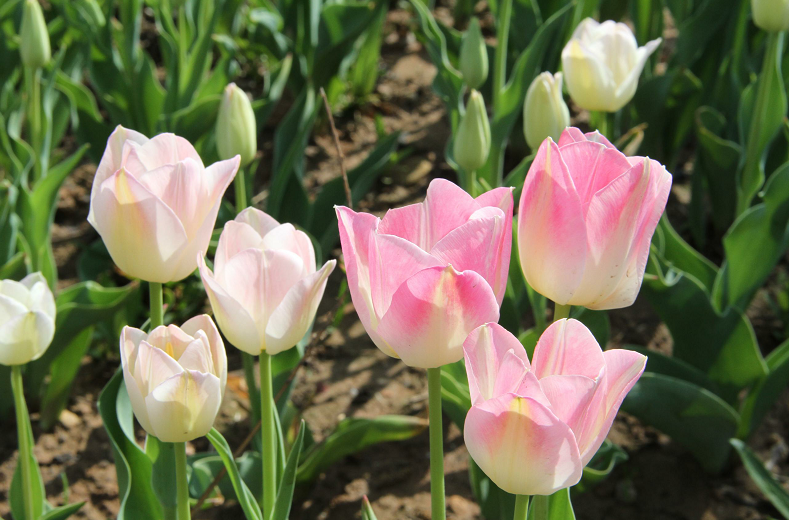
(32,509)
(269,454)
(240,185)
(436,444)
(561,311)
(181,483)
(157,304)
(521,507)
(601,122)
(502,36)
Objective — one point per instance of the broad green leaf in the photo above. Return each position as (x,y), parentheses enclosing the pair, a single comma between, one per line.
(766,481)
(288,481)
(766,392)
(691,415)
(671,366)
(341,25)
(455,393)
(552,507)
(353,435)
(62,512)
(245,497)
(678,253)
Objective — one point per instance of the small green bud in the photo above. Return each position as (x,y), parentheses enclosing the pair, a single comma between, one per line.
(545,114)
(34,47)
(472,140)
(473,56)
(771,15)
(236,130)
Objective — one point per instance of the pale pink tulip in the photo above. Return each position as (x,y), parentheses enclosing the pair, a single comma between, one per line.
(586,219)
(427,274)
(533,427)
(264,289)
(155,204)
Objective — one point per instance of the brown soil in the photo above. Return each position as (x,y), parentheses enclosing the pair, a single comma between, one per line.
(345,375)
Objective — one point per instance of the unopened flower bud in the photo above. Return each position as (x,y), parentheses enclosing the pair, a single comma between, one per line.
(34,47)
(771,15)
(236,130)
(472,140)
(545,114)
(473,56)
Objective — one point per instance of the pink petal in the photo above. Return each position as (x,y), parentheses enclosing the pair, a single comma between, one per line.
(166,149)
(112,160)
(498,198)
(551,228)
(292,318)
(198,243)
(205,325)
(235,237)
(446,207)
(286,237)
(522,446)
(570,135)
(170,337)
(433,312)
(260,221)
(567,348)
(496,362)
(593,167)
(570,397)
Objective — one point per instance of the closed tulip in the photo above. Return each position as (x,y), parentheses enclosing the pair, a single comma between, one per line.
(27,319)
(545,114)
(34,46)
(534,426)
(602,63)
(265,288)
(155,204)
(427,274)
(473,59)
(236,130)
(771,15)
(586,218)
(472,140)
(175,377)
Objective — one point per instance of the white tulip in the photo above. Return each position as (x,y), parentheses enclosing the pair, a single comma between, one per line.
(545,114)
(175,377)
(27,319)
(602,63)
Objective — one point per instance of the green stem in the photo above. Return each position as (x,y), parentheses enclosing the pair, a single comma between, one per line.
(601,122)
(436,444)
(521,507)
(181,482)
(752,176)
(32,509)
(269,443)
(561,311)
(502,35)
(157,304)
(34,118)
(240,184)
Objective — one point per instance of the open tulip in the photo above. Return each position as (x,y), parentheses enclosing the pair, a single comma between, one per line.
(427,274)
(602,63)
(265,288)
(27,319)
(175,377)
(533,427)
(586,218)
(155,204)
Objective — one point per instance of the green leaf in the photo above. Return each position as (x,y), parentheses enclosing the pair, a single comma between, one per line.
(288,481)
(245,497)
(673,367)
(767,391)
(678,253)
(62,512)
(455,393)
(691,415)
(552,507)
(364,73)
(35,483)
(353,435)
(602,464)
(771,488)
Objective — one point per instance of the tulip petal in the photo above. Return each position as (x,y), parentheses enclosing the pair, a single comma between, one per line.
(570,397)
(570,135)
(589,81)
(292,318)
(288,238)
(180,186)
(112,160)
(593,167)
(567,347)
(522,446)
(184,407)
(551,227)
(496,362)
(169,338)
(235,237)
(433,312)
(497,198)
(153,366)
(25,337)
(446,206)
(10,307)
(199,243)
(41,299)
(626,89)
(203,326)
(16,291)
(259,220)
(129,342)
(165,149)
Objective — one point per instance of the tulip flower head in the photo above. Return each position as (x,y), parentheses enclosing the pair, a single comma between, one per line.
(545,114)
(472,139)
(236,130)
(265,288)
(771,15)
(155,204)
(473,59)
(586,218)
(533,426)
(27,326)
(602,63)
(427,274)
(34,46)
(175,377)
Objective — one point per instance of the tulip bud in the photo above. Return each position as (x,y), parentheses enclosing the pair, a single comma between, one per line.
(472,140)
(236,130)
(545,114)
(28,319)
(771,15)
(473,56)
(34,47)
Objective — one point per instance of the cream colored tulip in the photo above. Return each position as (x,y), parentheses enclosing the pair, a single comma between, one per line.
(27,319)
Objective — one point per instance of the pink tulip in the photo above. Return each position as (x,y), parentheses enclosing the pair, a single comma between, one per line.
(264,289)
(586,219)
(533,427)
(155,204)
(427,274)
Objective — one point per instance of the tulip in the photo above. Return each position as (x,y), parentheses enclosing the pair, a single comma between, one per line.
(265,288)
(545,114)
(155,204)
(587,215)
(27,309)
(533,427)
(34,44)
(473,56)
(771,15)
(236,130)
(427,274)
(175,377)
(602,63)
(472,139)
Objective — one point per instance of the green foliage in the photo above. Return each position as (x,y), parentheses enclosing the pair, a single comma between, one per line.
(552,507)
(766,481)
